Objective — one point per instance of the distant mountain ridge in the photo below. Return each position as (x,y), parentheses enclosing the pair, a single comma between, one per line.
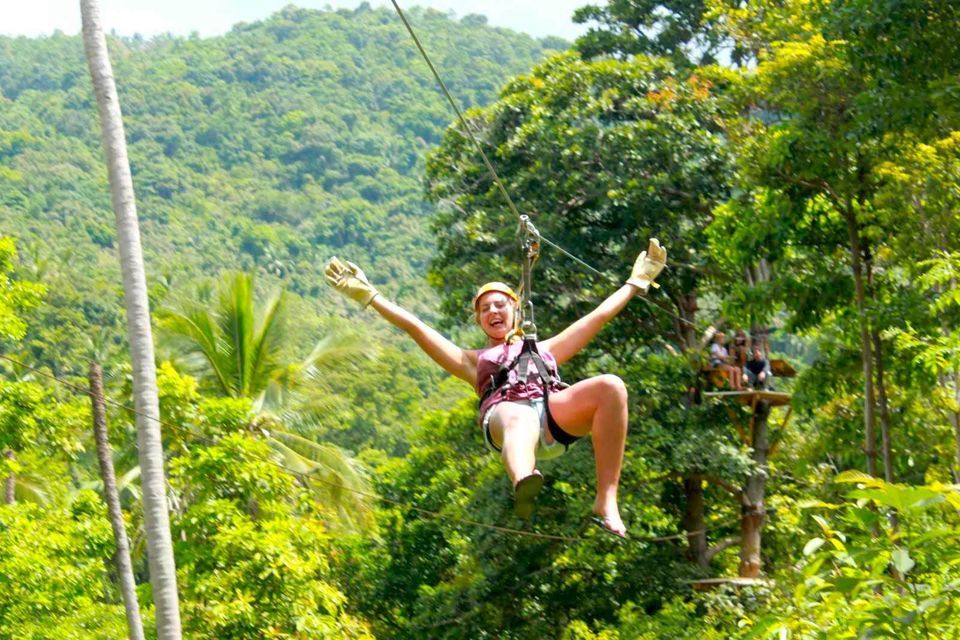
(270,147)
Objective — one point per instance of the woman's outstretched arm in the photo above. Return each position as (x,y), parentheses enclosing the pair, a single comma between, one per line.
(349,279)
(456,361)
(571,340)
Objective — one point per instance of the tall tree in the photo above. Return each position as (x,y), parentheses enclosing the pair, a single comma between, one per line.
(919,192)
(678,29)
(807,163)
(602,155)
(16,297)
(112,497)
(827,194)
(163,573)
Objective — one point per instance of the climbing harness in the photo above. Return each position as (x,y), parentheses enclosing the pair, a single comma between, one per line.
(546,377)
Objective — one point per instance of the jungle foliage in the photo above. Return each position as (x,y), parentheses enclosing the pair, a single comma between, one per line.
(800,161)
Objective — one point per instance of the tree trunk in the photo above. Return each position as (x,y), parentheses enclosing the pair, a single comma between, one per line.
(885,441)
(163,575)
(687,330)
(954,414)
(10,484)
(955,421)
(112,496)
(752,498)
(950,380)
(693,521)
(866,353)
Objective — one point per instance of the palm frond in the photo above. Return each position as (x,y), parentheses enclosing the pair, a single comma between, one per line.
(28,488)
(235,319)
(300,407)
(267,343)
(129,480)
(194,333)
(335,477)
(310,409)
(336,349)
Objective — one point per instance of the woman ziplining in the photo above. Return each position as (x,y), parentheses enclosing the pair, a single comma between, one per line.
(536,417)
(526,413)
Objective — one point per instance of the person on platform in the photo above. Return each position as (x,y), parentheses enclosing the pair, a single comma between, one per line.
(721,359)
(757,370)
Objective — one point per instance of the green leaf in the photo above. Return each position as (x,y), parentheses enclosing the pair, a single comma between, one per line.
(899,497)
(929,603)
(848,584)
(856,477)
(812,546)
(817,504)
(902,560)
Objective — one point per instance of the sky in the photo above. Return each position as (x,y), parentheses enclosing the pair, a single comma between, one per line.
(213,17)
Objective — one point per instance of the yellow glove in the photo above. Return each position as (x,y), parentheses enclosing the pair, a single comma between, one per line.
(648,266)
(348,279)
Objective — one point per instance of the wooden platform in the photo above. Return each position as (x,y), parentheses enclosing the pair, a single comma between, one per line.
(749,398)
(711,583)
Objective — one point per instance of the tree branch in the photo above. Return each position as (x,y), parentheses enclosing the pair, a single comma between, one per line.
(734,491)
(726,543)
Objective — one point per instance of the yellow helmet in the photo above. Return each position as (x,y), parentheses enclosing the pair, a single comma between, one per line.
(495,286)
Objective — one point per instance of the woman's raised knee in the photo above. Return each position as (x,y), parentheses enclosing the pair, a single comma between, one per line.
(614,387)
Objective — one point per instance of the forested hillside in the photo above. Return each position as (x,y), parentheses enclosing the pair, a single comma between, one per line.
(267,148)
(797,476)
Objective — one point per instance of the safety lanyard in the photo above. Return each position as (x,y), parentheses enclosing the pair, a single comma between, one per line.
(530,241)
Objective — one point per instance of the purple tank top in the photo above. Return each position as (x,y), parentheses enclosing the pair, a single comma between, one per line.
(516,388)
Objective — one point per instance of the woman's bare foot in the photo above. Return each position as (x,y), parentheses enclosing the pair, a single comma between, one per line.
(610,520)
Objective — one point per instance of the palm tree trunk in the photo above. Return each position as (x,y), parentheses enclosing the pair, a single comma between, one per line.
(163,574)
(107,474)
(10,484)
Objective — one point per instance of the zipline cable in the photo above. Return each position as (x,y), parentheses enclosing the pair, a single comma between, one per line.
(208,441)
(575,258)
(456,109)
(434,514)
(612,279)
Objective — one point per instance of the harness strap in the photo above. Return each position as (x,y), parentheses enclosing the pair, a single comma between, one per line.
(556,430)
(529,353)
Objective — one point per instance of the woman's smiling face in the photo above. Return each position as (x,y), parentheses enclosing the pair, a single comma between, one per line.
(495,311)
